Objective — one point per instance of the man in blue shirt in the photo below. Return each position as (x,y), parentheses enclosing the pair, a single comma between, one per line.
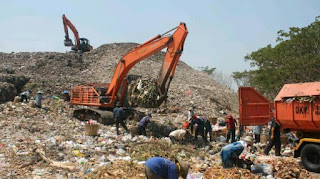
(143,124)
(161,168)
(119,116)
(231,152)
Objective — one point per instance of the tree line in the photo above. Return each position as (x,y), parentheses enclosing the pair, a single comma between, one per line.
(294,59)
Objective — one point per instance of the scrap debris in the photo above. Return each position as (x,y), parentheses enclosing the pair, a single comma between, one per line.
(143,93)
(143,151)
(287,167)
(231,173)
(66,165)
(119,170)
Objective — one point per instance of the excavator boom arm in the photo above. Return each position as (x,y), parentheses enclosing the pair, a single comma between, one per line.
(172,56)
(174,43)
(67,23)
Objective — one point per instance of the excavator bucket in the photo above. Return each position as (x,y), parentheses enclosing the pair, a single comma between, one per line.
(254,108)
(68,42)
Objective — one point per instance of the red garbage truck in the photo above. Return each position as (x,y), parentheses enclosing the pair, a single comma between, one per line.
(295,108)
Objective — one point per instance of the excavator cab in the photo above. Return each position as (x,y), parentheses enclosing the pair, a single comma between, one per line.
(84,45)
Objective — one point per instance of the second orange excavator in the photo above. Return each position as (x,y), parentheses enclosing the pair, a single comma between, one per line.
(106,95)
(81,44)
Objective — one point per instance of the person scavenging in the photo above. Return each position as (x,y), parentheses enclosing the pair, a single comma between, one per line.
(161,168)
(232,153)
(231,124)
(119,116)
(143,124)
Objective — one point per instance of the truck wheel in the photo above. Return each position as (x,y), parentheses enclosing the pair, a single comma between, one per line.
(310,157)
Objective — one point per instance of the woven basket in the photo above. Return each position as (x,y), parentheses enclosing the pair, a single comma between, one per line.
(91,130)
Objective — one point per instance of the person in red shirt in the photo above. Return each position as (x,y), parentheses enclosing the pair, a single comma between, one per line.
(231,125)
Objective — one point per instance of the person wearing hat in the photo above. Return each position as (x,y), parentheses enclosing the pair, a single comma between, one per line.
(231,153)
(231,125)
(66,95)
(39,98)
(143,124)
(119,117)
(162,168)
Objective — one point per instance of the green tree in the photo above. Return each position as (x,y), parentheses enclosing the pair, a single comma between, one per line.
(207,70)
(295,59)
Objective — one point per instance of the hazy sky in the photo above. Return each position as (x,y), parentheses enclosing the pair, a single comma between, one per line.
(221,32)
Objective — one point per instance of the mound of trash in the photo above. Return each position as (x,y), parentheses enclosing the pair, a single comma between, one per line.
(17,80)
(55,72)
(7,92)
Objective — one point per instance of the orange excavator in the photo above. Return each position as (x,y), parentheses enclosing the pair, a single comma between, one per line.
(106,95)
(81,44)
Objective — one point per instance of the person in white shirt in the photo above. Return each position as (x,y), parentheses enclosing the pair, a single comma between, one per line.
(177,135)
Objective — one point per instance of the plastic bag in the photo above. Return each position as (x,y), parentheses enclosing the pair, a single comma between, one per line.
(221,139)
(264,169)
(197,175)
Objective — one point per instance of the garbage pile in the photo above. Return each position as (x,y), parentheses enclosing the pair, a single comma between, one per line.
(51,71)
(17,80)
(11,85)
(7,92)
(55,72)
(49,142)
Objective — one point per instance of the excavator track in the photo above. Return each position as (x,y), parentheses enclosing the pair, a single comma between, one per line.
(106,116)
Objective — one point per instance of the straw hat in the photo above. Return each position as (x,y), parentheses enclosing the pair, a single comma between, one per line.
(185,167)
(249,140)
(40,92)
